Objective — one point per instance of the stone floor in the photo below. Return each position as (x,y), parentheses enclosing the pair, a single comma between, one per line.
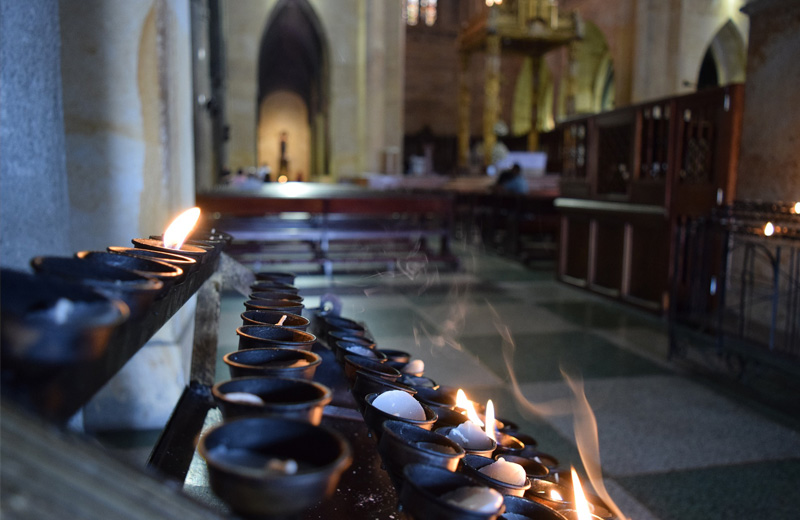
(673,444)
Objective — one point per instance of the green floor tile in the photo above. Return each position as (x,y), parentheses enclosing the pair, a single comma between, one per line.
(543,356)
(763,490)
(603,315)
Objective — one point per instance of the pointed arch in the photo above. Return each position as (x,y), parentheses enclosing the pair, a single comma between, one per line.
(293,65)
(727,53)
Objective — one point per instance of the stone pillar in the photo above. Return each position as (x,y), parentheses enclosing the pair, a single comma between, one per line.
(769,158)
(34,207)
(464,106)
(533,136)
(491,110)
(126,73)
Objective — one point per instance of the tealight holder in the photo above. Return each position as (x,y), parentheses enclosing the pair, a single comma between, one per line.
(418,381)
(327,323)
(472,465)
(528,509)
(402,444)
(530,452)
(47,321)
(266,285)
(276,362)
(169,274)
(344,348)
(352,364)
(287,398)
(276,295)
(245,457)
(375,417)
(424,486)
(532,468)
(447,416)
(276,276)
(199,254)
(398,359)
(560,498)
(274,305)
(555,496)
(343,335)
(507,444)
(291,321)
(137,291)
(214,247)
(528,440)
(366,383)
(264,336)
(189,265)
(437,397)
(211,235)
(482,451)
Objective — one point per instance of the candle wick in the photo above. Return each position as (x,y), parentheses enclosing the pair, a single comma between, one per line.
(280,321)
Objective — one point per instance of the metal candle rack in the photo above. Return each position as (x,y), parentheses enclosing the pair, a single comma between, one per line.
(365,489)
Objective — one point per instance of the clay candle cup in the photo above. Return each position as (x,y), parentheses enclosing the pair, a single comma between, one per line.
(291,321)
(278,362)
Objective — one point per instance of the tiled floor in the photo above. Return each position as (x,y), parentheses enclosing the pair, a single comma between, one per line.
(672,445)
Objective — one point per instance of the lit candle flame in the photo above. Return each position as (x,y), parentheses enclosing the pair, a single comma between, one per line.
(180,228)
(465,404)
(581,505)
(769,229)
(489,429)
(797,208)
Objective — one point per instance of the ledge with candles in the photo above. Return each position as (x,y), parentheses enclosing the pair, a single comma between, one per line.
(298,439)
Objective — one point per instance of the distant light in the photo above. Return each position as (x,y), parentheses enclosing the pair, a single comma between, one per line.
(769,229)
(797,207)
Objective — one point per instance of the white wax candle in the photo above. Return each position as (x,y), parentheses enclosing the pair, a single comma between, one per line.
(415,367)
(504,471)
(475,498)
(400,404)
(244,397)
(470,436)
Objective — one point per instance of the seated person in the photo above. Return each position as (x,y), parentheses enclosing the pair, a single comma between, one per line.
(512,181)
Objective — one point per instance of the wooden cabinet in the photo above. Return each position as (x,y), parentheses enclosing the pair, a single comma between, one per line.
(629,175)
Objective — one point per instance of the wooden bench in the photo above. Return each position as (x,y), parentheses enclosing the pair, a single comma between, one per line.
(323,225)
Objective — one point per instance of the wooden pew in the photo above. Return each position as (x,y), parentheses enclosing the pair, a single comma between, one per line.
(325,224)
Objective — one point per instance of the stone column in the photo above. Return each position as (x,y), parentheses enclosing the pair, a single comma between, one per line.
(769,157)
(533,136)
(491,110)
(34,207)
(126,76)
(464,106)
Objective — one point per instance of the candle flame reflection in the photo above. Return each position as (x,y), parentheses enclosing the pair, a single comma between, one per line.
(581,504)
(556,496)
(180,228)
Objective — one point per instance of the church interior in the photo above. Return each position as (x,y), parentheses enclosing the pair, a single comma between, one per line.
(584,212)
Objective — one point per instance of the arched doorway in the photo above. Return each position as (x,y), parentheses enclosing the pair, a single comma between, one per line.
(725,59)
(292,98)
